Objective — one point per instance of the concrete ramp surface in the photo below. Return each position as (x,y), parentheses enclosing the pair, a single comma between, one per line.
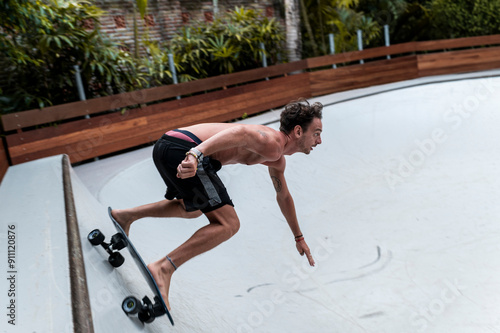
(35,285)
(398,205)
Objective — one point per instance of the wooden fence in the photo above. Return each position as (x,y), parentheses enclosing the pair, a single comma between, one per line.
(227,97)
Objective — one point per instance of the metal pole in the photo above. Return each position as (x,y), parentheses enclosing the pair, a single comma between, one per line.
(79,86)
(387,40)
(263,52)
(264,58)
(172,69)
(216,7)
(79,83)
(332,46)
(360,44)
(81,91)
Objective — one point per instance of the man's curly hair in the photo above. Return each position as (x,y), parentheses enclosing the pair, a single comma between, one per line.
(301,113)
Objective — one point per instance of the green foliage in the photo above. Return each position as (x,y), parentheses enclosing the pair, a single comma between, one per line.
(462,18)
(154,68)
(230,43)
(43,40)
(408,21)
(434,19)
(341,18)
(191,53)
(393,13)
(413,24)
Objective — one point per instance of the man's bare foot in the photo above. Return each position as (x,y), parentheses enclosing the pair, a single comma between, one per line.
(162,271)
(123,218)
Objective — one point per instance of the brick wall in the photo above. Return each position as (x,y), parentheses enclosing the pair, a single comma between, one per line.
(165,17)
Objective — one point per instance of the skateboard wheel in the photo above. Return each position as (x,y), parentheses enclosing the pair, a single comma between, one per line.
(146,316)
(118,241)
(116,259)
(131,305)
(95,237)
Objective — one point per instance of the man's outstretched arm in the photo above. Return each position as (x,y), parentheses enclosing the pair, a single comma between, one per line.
(287,206)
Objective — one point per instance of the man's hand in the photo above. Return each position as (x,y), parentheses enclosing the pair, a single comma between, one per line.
(304,249)
(188,167)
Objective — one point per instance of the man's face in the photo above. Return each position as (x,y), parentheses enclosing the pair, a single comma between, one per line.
(312,137)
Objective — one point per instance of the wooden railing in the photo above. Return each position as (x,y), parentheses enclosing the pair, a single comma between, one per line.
(227,97)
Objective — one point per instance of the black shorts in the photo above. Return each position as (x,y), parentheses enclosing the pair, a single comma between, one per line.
(205,191)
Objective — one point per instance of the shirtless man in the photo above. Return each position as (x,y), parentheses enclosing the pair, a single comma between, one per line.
(188,159)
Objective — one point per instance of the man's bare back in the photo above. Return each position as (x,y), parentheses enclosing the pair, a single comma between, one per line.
(267,153)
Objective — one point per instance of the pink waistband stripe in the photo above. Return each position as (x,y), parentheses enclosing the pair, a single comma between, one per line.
(180,135)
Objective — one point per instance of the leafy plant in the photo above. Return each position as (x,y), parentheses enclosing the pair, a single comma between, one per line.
(434,19)
(225,54)
(154,68)
(42,41)
(339,17)
(461,18)
(413,24)
(190,52)
(232,42)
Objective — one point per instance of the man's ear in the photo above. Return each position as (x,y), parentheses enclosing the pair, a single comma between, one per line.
(297,130)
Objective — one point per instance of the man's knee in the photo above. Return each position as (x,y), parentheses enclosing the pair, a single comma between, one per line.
(230,226)
(233,227)
(227,218)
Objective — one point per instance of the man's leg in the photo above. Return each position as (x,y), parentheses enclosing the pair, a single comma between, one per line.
(164,208)
(224,223)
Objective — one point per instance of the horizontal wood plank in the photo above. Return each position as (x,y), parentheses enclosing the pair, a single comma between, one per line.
(4,163)
(457,43)
(348,57)
(459,61)
(360,76)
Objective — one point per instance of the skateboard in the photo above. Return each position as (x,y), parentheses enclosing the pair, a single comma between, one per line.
(146,310)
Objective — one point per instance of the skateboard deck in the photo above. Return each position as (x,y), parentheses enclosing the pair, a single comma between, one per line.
(146,310)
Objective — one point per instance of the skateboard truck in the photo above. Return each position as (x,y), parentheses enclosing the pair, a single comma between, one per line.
(118,242)
(146,311)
